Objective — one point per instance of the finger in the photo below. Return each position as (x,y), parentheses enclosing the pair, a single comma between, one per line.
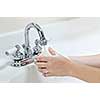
(41,64)
(51,51)
(47,74)
(44,71)
(42,67)
(42,59)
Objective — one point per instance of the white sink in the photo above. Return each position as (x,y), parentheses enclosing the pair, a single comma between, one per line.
(76,37)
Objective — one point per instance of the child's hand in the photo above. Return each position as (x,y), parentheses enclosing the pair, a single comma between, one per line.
(55,65)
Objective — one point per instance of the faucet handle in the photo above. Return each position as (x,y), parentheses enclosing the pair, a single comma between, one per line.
(37,42)
(18,54)
(37,49)
(17,47)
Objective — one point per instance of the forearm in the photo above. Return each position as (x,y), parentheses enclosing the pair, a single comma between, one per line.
(86,73)
(88,60)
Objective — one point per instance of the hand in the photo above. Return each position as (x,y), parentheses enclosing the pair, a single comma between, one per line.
(54,65)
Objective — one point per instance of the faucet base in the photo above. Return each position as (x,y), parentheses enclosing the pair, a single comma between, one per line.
(23,62)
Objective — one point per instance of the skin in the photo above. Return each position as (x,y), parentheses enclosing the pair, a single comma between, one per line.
(85,68)
(93,60)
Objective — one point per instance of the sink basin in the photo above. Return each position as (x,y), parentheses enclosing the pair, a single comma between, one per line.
(76,37)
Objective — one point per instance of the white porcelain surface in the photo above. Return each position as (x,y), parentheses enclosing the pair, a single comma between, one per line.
(76,37)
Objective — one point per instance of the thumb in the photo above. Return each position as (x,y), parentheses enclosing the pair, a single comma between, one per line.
(51,51)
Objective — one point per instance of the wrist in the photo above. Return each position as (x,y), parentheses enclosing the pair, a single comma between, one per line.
(73,68)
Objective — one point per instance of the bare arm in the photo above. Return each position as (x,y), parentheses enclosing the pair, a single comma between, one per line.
(93,60)
(87,68)
(86,73)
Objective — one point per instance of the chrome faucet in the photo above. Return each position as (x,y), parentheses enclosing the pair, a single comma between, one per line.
(25,52)
(41,42)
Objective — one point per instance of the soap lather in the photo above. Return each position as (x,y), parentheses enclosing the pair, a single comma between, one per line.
(21,54)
